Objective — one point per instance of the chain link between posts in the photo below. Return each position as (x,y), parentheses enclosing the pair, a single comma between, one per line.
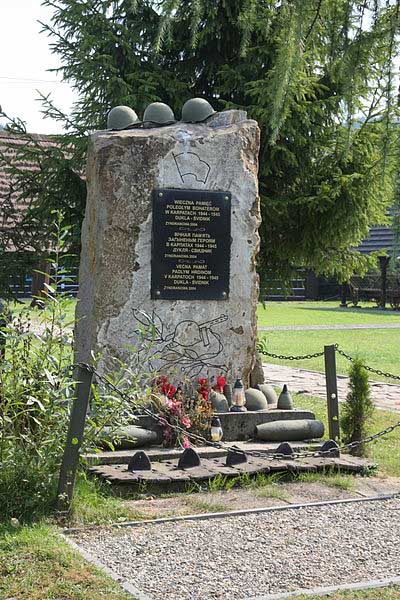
(251,453)
(262,350)
(366,367)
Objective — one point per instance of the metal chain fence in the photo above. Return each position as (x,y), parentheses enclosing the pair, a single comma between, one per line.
(366,367)
(262,350)
(252,453)
(284,357)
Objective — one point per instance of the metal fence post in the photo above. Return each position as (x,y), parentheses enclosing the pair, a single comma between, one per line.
(73,444)
(331,392)
(3,324)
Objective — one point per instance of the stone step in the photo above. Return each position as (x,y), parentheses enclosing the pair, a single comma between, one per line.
(167,475)
(159,453)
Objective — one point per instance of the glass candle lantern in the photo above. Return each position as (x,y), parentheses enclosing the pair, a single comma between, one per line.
(238,397)
(216,430)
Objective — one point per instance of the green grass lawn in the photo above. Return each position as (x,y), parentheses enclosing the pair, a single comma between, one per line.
(295,313)
(322,313)
(17,307)
(379,348)
(384,451)
(36,564)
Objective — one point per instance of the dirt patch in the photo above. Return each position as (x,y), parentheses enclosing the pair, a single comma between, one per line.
(271,494)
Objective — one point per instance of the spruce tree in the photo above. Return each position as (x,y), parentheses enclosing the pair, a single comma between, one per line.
(358,408)
(318,77)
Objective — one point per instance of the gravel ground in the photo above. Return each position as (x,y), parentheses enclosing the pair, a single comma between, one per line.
(243,557)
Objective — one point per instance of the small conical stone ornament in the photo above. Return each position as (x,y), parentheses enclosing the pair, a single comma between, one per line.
(235,458)
(285,449)
(331,448)
(285,401)
(139,462)
(189,458)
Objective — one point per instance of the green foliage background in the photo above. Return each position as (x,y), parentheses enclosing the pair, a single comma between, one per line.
(318,75)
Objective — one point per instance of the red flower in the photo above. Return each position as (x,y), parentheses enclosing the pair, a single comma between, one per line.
(221,382)
(168,390)
(202,390)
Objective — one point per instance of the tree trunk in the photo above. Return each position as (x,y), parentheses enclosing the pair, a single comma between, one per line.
(40,277)
(383,263)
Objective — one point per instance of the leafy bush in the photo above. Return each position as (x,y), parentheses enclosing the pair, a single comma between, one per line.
(358,408)
(36,391)
(36,387)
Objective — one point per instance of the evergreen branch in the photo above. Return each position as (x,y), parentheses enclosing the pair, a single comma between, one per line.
(313,22)
(165,23)
(194,22)
(393,30)
(247,20)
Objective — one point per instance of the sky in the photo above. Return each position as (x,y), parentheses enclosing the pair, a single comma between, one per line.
(25,57)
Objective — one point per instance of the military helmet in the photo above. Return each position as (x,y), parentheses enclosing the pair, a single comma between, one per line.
(121,117)
(158,113)
(196,110)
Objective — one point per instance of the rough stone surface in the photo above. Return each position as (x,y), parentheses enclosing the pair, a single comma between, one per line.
(257,374)
(124,167)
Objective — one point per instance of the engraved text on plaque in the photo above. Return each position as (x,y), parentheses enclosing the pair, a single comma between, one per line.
(191,241)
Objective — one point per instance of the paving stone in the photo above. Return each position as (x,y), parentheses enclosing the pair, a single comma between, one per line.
(311,383)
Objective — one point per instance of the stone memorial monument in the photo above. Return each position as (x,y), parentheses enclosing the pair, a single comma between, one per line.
(169,247)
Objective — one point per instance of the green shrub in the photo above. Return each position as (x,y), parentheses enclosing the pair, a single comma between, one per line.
(36,391)
(36,387)
(358,408)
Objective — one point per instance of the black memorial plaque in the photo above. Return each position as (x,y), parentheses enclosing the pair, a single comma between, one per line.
(190,245)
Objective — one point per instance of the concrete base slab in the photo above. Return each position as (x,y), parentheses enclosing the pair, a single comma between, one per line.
(237,425)
(162,454)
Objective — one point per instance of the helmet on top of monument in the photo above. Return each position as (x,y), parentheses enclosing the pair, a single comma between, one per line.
(197,110)
(158,113)
(121,117)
